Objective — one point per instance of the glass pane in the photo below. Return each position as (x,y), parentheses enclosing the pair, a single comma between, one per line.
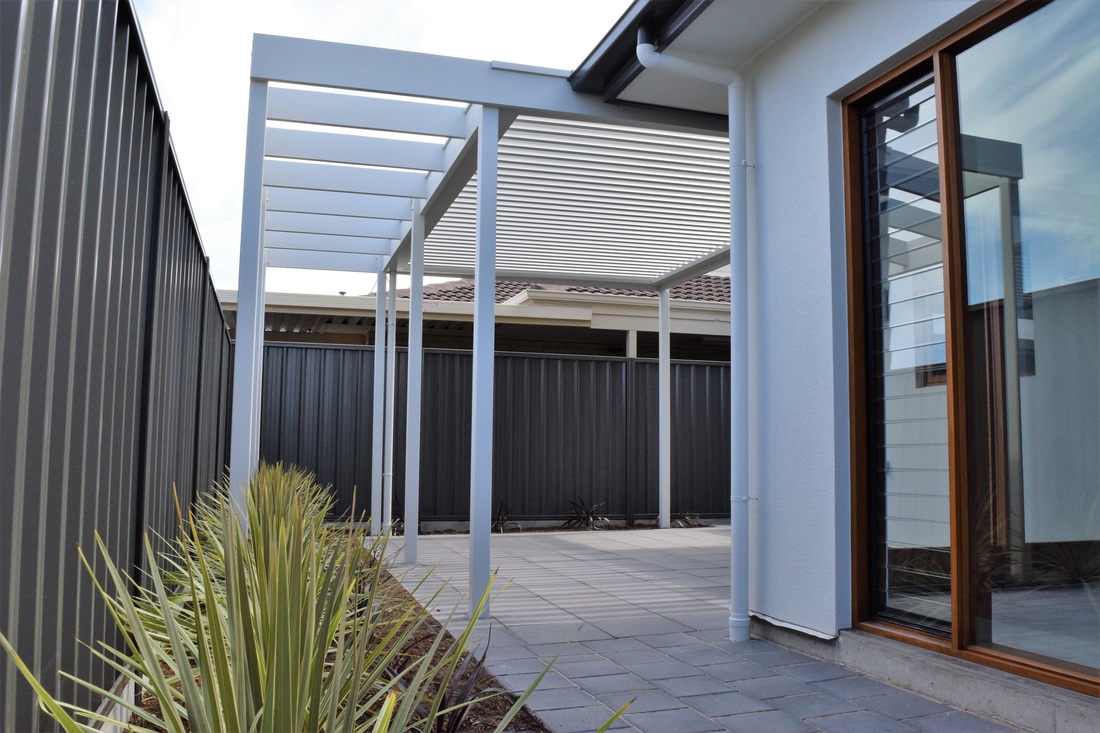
(910,576)
(1028,104)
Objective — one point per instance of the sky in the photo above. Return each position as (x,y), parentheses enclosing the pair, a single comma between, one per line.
(200,51)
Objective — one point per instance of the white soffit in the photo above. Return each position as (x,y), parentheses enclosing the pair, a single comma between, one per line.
(579,199)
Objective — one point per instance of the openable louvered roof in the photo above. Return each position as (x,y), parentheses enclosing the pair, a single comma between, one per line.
(587,193)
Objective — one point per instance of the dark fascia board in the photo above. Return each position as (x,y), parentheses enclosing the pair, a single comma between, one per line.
(613,63)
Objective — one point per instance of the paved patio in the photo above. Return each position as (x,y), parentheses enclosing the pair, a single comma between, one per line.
(642,616)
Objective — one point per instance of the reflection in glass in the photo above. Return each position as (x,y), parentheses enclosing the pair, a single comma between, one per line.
(910,541)
(1028,106)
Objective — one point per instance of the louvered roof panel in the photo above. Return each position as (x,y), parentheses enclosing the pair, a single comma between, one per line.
(577,200)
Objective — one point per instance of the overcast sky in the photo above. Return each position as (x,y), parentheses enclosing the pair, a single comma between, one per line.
(201,52)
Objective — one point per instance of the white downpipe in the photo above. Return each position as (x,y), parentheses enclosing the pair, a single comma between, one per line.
(739,319)
(378,421)
(664,413)
(739,368)
(415,386)
(391,403)
(481,432)
(650,58)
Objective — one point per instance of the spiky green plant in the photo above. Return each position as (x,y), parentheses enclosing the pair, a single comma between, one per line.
(283,625)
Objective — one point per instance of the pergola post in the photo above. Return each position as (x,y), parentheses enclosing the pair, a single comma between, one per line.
(481,433)
(664,428)
(378,411)
(415,385)
(244,452)
(391,401)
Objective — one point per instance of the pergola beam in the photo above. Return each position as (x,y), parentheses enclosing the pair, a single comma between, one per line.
(332,147)
(348,179)
(366,113)
(387,71)
(338,261)
(337,203)
(349,226)
(303,242)
(701,266)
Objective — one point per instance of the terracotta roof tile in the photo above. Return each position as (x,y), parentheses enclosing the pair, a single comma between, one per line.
(708,288)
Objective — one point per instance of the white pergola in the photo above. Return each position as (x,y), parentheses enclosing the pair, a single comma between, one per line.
(386,162)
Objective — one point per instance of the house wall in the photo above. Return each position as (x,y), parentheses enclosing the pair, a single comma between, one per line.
(798,297)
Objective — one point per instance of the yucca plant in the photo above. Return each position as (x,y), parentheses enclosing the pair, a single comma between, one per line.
(286,625)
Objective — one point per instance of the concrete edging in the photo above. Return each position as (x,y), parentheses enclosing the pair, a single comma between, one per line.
(1015,700)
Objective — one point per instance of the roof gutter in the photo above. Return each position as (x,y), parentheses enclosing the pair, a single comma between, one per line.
(650,58)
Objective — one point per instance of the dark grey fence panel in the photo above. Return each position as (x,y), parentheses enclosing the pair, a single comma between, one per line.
(566,427)
(316,413)
(114,358)
(560,434)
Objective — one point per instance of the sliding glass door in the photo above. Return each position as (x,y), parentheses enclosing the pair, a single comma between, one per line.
(1028,108)
(975,178)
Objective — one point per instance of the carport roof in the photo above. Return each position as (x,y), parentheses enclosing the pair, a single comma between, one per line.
(587,193)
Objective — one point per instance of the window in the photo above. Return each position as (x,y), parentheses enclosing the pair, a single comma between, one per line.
(974,182)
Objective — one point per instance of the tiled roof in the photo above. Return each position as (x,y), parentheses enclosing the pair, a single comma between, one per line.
(463,290)
(708,288)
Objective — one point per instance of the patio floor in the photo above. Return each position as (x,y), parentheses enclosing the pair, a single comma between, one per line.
(642,615)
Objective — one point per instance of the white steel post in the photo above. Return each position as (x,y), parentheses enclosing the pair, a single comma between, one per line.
(248,358)
(378,410)
(415,385)
(391,401)
(739,367)
(481,442)
(664,428)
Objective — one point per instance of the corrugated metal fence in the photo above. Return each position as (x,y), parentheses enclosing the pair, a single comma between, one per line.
(565,427)
(114,358)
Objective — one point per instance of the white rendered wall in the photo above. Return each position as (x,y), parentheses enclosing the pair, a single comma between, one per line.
(798,339)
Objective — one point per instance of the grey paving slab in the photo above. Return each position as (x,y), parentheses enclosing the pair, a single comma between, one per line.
(625,682)
(588,668)
(901,705)
(814,671)
(956,722)
(814,704)
(575,720)
(641,702)
(853,688)
(729,702)
(646,655)
(770,721)
(778,685)
(698,654)
(738,670)
(642,616)
(562,699)
(777,657)
(687,686)
(552,680)
(670,669)
(615,645)
(681,720)
(862,721)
